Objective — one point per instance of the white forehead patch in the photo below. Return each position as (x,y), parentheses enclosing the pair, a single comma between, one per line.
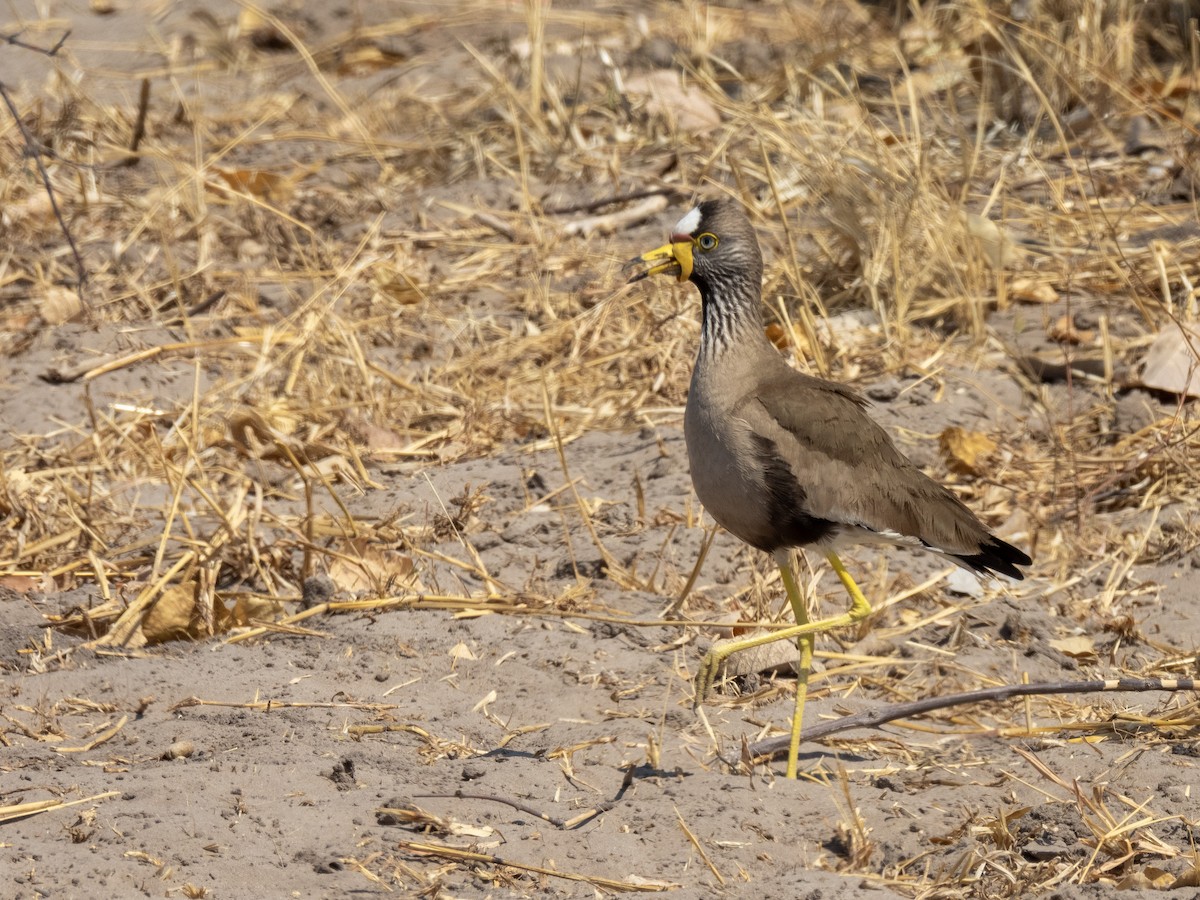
(688,223)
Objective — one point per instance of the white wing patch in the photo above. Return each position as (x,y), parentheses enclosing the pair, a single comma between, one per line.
(849,534)
(689,223)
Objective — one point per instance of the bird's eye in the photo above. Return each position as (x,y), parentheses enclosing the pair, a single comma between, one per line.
(707,241)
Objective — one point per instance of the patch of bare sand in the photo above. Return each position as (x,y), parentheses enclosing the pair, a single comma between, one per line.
(562,715)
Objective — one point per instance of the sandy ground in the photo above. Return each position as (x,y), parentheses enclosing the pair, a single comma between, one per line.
(526,696)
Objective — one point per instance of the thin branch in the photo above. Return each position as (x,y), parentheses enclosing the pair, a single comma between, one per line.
(139,125)
(866,719)
(52,51)
(564,824)
(593,205)
(36,154)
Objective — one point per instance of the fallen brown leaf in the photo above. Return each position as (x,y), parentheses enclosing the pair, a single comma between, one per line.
(965,451)
(1173,361)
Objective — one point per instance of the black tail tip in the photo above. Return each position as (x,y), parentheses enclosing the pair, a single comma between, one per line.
(1000,557)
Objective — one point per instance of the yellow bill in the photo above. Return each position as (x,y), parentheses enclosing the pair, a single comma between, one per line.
(669,259)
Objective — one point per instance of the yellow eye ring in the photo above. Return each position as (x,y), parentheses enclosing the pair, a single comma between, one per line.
(707,241)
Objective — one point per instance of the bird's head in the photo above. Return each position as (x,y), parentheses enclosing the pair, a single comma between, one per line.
(712,240)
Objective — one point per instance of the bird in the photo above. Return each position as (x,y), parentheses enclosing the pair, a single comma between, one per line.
(784,460)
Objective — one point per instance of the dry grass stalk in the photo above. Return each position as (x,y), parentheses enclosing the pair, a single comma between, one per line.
(644,886)
(15,811)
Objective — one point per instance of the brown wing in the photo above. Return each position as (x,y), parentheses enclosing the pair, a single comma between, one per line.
(851,472)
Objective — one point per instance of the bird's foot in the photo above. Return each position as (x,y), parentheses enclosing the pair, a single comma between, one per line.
(706,675)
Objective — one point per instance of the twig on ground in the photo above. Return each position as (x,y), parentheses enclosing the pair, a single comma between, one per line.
(470,856)
(565,824)
(771,746)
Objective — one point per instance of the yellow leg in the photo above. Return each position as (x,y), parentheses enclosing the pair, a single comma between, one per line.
(805,643)
(804,632)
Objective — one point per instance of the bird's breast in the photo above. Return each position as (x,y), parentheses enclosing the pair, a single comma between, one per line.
(722,459)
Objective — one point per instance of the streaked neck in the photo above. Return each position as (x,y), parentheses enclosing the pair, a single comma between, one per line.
(731,316)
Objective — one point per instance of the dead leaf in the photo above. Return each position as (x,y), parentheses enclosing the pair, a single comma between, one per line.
(248,609)
(965,451)
(363,566)
(1028,290)
(1077,646)
(60,304)
(1173,361)
(173,616)
(1063,331)
(667,95)
(1190,878)
(461,651)
(1150,878)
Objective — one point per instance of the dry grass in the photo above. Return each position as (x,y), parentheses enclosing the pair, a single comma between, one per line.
(400,285)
